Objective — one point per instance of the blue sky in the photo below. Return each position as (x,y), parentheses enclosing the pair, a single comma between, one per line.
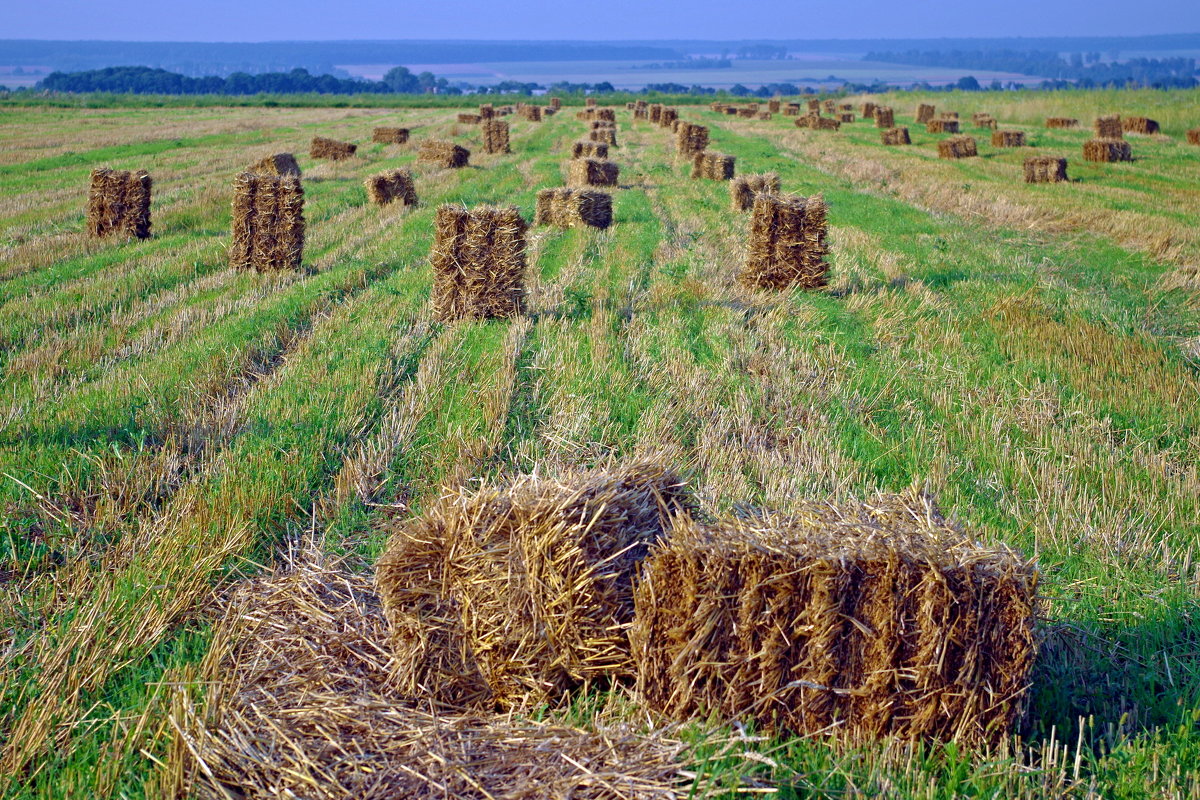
(274,20)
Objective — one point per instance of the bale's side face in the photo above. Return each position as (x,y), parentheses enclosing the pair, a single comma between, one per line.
(443,154)
(119,203)
(392,186)
(268,223)
(331,149)
(478,262)
(786,247)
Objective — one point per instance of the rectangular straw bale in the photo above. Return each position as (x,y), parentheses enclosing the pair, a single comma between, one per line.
(1193,136)
(958,147)
(589,149)
(895,136)
(845,107)
(532,113)
(845,117)
(469,119)
(791,110)
(556,102)
(523,591)
(949,115)
(668,117)
(389,135)
(747,113)
(1106,150)
(814,105)
(656,110)
(1045,169)
(268,222)
(786,246)
(487,111)
(1109,127)
(590,102)
(713,166)
(690,139)
(925,113)
(478,262)
(597,124)
(763,115)
(591,172)
(331,149)
(1008,138)
(392,186)
(606,135)
(586,114)
(885,117)
(606,114)
(817,123)
(1139,125)
(731,111)
(641,112)
(980,117)
(118,203)
(1061,122)
(444,154)
(276,164)
(774,106)
(829,106)
(743,188)
(495,136)
(866,621)
(942,126)
(565,207)
(868,110)
(752,106)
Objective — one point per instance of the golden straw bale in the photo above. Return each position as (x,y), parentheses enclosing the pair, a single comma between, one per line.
(1139,125)
(276,164)
(589,149)
(532,113)
(606,114)
(774,106)
(331,149)
(656,110)
(598,124)
(668,117)
(787,245)
(565,207)
(556,102)
(478,262)
(1193,136)
(592,172)
(981,120)
(392,186)
(845,107)
(925,113)
(746,113)
(487,111)
(390,135)
(690,139)
(845,117)
(743,188)
(444,154)
(495,136)
(590,102)
(118,203)
(829,106)
(527,585)
(1105,150)
(1045,169)
(791,110)
(885,117)
(866,621)
(814,105)
(268,222)
(469,119)
(868,110)
(942,126)
(1109,127)
(958,147)
(818,123)
(1061,122)
(895,136)
(607,136)
(713,166)
(1008,138)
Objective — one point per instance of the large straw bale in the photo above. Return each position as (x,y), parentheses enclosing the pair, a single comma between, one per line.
(609,114)
(656,110)
(469,119)
(1045,169)
(589,149)
(526,585)
(390,135)
(592,172)
(276,164)
(787,245)
(565,207)
(774,106)
(885,117)
(743,188)
(268,222)
(858,621)
(607,136)
(478,262)
(392,186)
(1139,125)
(668,117)
(958,147)
(868,110)
(747,113)
(1008,138)
(713,166)
(444,154)
(118,203)
(895,136)
(1104,150)
(690,139)
(495,136)
(331,149)
(1062,122)
(487,111)
(1193,136)
(814,105)
(556,102)
(942,126)
(1109,127)
(532,113)
(818,123)
(925,113)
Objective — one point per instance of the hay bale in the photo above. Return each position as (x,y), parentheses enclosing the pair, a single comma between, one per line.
(746,113)
(331,149)
(1109,127)
(958,147)
(981,120)
(814,105)
(591,172)
(743,188)
(845,117)
(568,208)
(392,186)
(478,262)
(443,154)
(829,106)
(276,164)
(895,136)
(865,621)
(668,118)
(531,113)
(817,123)
(556,102)
(925,113)
(731,111)
(590,102)
(469,119)
(1143,125)
(713,166)
(791,110)
(787,246)
(268,222)
(487,111)
(949,115)
(690,139)
(525,587)
(1045,169)
(942,126)
(1107,150)
(885,117)
(774,106)
(1193,136)
(764,115)
(607,136)
(589,149)
(656,110)
(118,203)
(846,107)
(389,135)
(598,124)
(867,110)
(495,136)
(1008,138)
(1061,122)
(606,114)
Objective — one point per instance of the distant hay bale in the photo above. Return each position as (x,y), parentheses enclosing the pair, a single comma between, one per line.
(118,203)
(549,111)
(814,105)
(592,172)
(786,246)
(443,154)
(599,124)
(1139,125)
(656,110)
(478,262)
(980,120)
(791,110)
(276,164)
(845,117)
(949,115)
(774,106)
(845,107)
(1008,138)
(731,111)
(942,126)
(1045,169)
(1193,136)
(668,117)
(1107,150)
(268,222)
(469,119)
(817,123)
(763,115)
(495,136)
(674,123)
(390,135)
(743,188)
(867,110)
(606,114)
(1109,127)
(1061,122)
(590,102)
(716,108)
(556,102)
(641,112)
(607,136)
(925,113)
(895,136)
(487,111)
(531,113)
(392,186)
(865,621)
(690,139)
(713,166)
(589,149)
(568,208)
(885,117)
(586,114)
(747,113)
(958,147)
(523,592)
(829,106)
(331,149)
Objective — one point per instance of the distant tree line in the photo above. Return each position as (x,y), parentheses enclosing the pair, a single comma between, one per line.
(1085,70)
(145,80)
(690,63)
